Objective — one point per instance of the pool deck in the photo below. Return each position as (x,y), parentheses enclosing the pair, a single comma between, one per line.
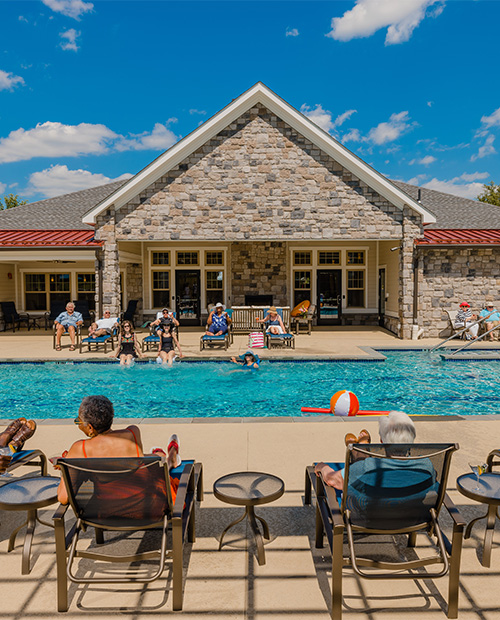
(295,582)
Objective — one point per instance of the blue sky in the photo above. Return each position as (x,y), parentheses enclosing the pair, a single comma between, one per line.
(92,91)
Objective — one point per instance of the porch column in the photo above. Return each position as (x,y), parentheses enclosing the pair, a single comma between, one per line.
(110,264)
(411,230)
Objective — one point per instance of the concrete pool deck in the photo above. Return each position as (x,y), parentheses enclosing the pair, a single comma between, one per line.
(295,582)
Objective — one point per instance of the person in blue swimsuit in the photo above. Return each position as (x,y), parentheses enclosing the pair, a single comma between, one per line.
(274,322)
(249,361)
(218,321)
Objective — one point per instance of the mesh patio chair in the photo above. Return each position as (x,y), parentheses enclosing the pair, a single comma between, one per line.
(12,316)
(126,495)
(88,315)
(279,340)
(129,313)
(389,489)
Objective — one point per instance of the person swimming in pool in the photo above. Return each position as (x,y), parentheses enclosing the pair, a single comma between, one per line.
(249,361)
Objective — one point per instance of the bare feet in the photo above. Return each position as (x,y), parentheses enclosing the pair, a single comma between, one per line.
(173,458)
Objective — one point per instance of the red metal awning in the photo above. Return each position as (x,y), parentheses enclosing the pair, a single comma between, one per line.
(48,238)
(456,236)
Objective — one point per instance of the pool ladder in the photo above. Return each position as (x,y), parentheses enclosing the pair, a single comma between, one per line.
(462,331)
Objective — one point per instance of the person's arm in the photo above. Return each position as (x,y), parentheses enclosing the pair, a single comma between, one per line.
(76,451)
(175,321)
(117,350)
(159,333)
(228,319)
(282,325)
(209,320)
(234,360)
(264,320)
(59,318)
(176,342)
(137,348)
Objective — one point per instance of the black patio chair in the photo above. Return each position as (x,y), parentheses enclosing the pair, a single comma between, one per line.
(56,307)
(12,316)
(125,495)
(129,313)
(88,315)
(388,490)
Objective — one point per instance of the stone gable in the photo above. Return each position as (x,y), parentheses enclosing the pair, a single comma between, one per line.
(258,179)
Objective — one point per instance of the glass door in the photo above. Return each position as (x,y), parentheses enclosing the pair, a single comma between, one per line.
(329,302)
(381,296)
(187,296)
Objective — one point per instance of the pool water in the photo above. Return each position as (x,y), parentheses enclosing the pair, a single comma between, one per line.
(415,382)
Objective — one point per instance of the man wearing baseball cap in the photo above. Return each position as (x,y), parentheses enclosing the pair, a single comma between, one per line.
(465,318)
(493,318)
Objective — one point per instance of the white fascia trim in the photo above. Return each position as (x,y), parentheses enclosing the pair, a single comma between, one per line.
(258,94)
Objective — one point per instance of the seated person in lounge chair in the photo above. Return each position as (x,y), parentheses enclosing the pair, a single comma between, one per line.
(104,326)
(218,321)
(274,321)
(163,318)
(464,318)
(493,318)
(14,436)
(67,321)
(95,417)
(397,427)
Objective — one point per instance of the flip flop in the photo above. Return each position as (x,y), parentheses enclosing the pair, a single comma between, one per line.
(364,435)
(158,451)
(72,347)
(58,347)
(173,442)
(350,438)
(26,431)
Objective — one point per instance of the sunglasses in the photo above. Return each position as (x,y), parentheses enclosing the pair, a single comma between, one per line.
(77,421)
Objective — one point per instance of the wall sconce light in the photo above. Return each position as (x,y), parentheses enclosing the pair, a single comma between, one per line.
(9,275)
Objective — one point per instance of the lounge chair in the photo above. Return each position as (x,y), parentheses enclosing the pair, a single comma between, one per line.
(279,340)
(304,321)
(126,494)
(225,340)
(389,489)
(12,316)
(129,313)
(152,341)
(78,335)
(452,316)
(96,343)
(31,458)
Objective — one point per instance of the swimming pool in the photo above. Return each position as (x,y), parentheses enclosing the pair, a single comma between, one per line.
(412,381)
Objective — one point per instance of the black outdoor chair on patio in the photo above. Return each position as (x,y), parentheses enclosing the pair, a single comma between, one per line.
(56,307)
(129,313)
(389,490)
(125,495)
(13,317)
(88,315)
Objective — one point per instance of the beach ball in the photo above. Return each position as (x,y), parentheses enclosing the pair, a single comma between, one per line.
(344,403)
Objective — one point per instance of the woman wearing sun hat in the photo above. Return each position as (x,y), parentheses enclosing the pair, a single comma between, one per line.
(274,321)
(465,318)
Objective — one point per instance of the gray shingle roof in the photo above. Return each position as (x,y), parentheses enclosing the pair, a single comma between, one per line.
(58,213)
(454,211)
(66,212)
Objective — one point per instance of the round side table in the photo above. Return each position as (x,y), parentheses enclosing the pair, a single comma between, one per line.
(488,493)
(28,494)
(249,489)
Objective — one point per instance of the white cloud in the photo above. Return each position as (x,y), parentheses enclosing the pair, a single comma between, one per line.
(424,161)
(352,136)
(430,103)
(70,8)
(391,130)
(486,149)
(195,111)
(160,139)
(400,17)
(417,180)
(324,118)
(465,185)
(21,18)
(69,38)
(3,187)
(55,140)
(342,118)
(58,180)
(493,120)
(8,80)
(292,32)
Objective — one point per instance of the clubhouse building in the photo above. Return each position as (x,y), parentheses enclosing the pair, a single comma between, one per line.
(257,206)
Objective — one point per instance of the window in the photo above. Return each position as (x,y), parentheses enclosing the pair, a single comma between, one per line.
(161,289)
(161,258)
(302,258)
(356,289)
(214,258)
(301,286)
(85,288)
(329,258)
(356,258)
(187,258)
(59,288)
(35,295)
(215,286)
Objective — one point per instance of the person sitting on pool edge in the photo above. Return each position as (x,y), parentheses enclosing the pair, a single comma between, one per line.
(95,418)
(167,344)
(397,427)
(128,346)
(14,437)
(218,321)
(249,360)
(275,322)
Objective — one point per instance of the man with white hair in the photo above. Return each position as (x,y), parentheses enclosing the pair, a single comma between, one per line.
(67,321)
(397,427)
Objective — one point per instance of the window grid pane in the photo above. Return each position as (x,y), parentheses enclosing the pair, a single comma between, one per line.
(215,280)
(187,258)
(86,282)
(161,280)
(355,279)
(35,282)
(356,258)
(214,258)
(302,280)
(59,282)
(161,258)
(302,258)
(329,258)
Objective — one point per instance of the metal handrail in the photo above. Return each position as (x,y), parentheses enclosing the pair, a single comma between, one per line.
(476,340)
(456,334)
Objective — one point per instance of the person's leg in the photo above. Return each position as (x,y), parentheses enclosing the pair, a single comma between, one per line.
(163,356)
(101,332)
(473,330)
(170,357)
(71,331)
(274,329)
(173,451)
(123,359)
(59,333)
(211,330)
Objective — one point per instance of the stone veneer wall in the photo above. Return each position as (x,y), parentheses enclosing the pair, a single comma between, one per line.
(449,276)
(259,268)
